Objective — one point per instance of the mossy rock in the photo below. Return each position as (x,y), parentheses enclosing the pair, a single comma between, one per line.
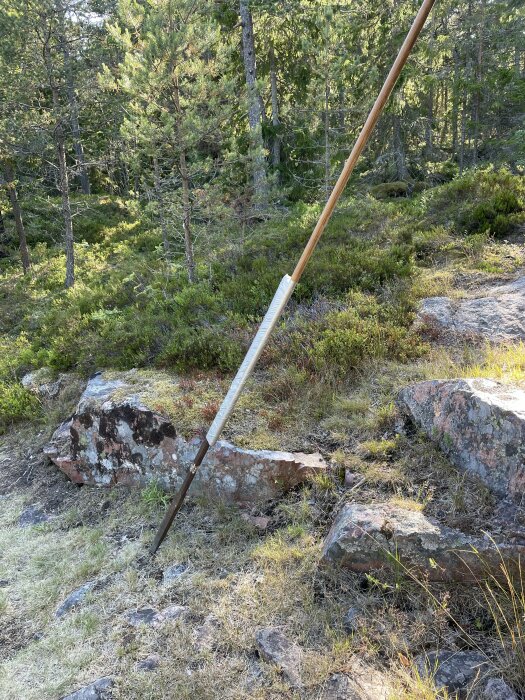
(390,190)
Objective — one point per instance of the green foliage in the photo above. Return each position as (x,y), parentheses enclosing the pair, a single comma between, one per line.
(16,404)
(387,190)
(484,201)
(366,329)
(201,348)
(155,496)
(493,216)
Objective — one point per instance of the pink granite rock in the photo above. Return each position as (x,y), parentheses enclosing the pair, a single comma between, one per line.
(478,423)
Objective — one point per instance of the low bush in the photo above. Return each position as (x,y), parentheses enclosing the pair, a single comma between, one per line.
(16,404)
(480,201)
(345,340)
(492,216)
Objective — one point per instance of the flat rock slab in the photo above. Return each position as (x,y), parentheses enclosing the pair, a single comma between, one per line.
(98,690)
(370,537)
(275,648)
(117,437)
(478,423)
(75,598)
(495,689)
(32,516)
(360,682)
(153,618)
(498,315)
(451,670)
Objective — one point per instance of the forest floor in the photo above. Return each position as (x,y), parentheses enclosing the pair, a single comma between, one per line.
(235,578)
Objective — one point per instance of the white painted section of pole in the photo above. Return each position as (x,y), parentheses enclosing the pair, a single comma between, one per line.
(282,295)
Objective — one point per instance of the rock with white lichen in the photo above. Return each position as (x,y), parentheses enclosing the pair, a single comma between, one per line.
(118,435)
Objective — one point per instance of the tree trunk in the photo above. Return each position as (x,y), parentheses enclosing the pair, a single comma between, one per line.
(62,167)
(19,224)
(429,142)
(327,158)
(478,93)
(399,149)
(83,174)
(260,182)
(160,203)
(455,104)
(463,140)
(73,107)
(342,109)
(276,143)
(185,178)
(2,226)
(66,207)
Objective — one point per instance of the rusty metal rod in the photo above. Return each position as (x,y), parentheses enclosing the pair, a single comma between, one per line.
(288,283)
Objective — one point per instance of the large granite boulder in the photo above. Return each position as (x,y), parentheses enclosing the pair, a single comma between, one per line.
(498,315)
(478,423)
(370,537)
(118,436)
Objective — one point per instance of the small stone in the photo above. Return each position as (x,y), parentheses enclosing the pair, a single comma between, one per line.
(4,583)
(150,663)
(98,690)
(174,572)
(75,598)
(351,478)
(351,620)
(143,616)
(451,670)
(260,522)
(275,648)
(496,689)
(204,635)
(32,516)
(173,612)
(335,688)
(152,617)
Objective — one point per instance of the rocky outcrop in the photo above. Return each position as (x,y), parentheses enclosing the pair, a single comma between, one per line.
(361,681)
(452,670)
(275,648)
(45,383)
(495,689)
(499,315)
(370,537)
(98,690)
(478,423)
(117,436)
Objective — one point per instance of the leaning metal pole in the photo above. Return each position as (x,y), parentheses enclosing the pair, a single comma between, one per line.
(287,284)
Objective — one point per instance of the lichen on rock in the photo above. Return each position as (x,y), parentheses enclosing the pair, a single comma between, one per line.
(116,436)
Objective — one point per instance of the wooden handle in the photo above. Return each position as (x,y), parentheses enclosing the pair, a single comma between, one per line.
(371,121)
(310,247)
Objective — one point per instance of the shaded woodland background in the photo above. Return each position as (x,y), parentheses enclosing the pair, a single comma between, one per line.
(213,115)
